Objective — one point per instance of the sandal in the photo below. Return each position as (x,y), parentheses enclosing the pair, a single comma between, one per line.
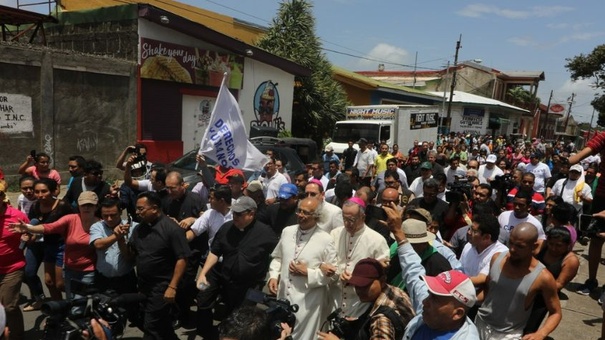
(33,306)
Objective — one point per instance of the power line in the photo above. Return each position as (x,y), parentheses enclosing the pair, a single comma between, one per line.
(376,60)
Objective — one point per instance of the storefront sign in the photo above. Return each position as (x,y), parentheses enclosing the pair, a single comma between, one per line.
(423,120)
(15,113)
(372,113)
(183,64)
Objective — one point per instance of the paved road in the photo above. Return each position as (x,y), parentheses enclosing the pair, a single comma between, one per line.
(582,316)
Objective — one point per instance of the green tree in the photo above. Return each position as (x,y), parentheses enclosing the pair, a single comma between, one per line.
(319,101)
(589,66)
(522,98)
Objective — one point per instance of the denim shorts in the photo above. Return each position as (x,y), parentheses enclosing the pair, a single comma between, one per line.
(53,253)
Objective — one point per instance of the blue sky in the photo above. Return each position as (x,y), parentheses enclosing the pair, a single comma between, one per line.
(506,35)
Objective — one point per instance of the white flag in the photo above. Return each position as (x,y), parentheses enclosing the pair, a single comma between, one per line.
(225,139)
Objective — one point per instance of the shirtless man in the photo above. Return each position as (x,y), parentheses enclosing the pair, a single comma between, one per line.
(515,278)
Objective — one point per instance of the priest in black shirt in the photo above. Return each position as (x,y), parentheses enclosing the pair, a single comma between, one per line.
(160,248)
(245,245)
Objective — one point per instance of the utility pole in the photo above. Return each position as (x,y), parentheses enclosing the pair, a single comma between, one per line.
(570,102)
(452,87)
(590,127)
(415,64)
(545,125)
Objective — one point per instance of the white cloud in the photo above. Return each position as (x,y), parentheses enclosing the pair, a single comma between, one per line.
(522,41)
(386,54)
(584,91)
(581,36)
(481,10)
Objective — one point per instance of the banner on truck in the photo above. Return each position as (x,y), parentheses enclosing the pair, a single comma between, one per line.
(371,113)
(423,120)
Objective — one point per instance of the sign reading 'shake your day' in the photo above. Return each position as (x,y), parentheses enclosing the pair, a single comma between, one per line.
(15,113)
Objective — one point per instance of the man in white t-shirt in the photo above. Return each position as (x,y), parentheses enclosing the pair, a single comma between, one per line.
(272,181)
(508,220)
(488,171)
(426,172)
(454,170)
(541,171)
(482,245)
(573,190)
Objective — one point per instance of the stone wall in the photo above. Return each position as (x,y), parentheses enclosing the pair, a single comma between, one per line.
(80,105)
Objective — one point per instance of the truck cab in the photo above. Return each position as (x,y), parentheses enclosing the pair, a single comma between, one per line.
(353,130)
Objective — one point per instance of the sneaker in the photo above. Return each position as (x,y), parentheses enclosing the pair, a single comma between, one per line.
(601,298)
(34,306)
(588,286)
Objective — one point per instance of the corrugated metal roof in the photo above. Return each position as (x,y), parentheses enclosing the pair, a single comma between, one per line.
(467,98)
(227,25)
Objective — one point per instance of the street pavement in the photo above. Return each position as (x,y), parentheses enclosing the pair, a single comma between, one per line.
(582,316)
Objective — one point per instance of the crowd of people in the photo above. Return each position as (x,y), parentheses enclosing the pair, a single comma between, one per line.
(464,237)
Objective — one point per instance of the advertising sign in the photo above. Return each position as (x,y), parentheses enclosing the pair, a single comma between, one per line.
(472,119)
(423,120)
(183,64)
(15,113)
(372,113)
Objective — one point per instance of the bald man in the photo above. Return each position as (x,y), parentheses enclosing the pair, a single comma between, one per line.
(515,278)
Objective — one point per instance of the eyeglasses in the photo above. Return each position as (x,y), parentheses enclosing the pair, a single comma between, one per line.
(311,194)
(350,220)
(305,213)
(389,182)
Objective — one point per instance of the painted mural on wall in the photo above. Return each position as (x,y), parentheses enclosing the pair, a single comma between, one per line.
(266,106)
(183,64)
(15,114)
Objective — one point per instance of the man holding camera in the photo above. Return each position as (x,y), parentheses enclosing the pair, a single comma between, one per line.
(391,308)
(299,272)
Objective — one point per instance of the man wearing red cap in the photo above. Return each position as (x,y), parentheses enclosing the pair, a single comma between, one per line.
(391,310)
(441,302)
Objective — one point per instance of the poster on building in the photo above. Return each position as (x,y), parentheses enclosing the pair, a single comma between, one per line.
(184,64)
(15,114)
(472,120)
(423,120)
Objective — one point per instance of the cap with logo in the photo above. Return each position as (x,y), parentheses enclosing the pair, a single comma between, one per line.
(287,190)
(242,204)
(452,283)
(491,158)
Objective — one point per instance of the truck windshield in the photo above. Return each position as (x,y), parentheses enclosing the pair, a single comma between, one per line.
(344,132)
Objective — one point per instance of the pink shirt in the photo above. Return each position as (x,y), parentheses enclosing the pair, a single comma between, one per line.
(11,257)
(53,174)
(79,254)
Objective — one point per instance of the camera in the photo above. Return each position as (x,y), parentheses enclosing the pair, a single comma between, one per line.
(458,190)
(590,226)
(67,319)
(503,183)
(339,326)
(278,310)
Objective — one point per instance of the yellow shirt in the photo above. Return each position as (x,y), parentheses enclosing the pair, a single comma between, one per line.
(381,162)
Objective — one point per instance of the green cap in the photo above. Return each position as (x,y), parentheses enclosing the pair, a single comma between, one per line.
(426,165)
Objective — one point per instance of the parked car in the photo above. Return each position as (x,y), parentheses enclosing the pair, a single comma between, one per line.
(305,148)
(186,164)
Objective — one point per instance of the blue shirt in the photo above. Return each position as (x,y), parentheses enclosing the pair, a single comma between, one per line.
(110,261)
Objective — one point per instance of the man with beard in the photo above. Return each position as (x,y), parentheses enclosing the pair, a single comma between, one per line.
(299,269)
(412,170)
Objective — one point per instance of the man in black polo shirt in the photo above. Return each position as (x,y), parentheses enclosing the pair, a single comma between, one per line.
(245,245)
(160,249)
(184,207)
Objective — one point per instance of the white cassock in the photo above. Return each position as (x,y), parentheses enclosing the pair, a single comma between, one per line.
(330,217)
(313,247)
(350,250)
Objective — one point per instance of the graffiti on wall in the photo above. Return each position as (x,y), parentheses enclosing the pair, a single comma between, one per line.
(266,106)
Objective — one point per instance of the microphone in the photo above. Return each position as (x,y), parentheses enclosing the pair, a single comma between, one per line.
(23,244)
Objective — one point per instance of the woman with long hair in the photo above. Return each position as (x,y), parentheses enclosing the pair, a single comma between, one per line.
(46,209)
(38,166)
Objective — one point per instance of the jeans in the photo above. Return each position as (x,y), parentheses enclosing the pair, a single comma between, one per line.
(87,277)
(33,259)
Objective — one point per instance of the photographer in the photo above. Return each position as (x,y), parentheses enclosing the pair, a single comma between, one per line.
(139,151)
(391,309)
(250,323)
(527,184)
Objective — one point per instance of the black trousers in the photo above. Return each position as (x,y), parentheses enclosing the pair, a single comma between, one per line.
(157,321)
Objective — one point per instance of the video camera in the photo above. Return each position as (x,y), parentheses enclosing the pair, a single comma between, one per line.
(339,325)
(458,190)
(67,319)
(590,226)
(278,310)
(503,183)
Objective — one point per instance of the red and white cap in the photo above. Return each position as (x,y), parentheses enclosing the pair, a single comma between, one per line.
(452,283)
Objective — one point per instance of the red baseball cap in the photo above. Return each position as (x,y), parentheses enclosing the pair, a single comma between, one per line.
(452,283)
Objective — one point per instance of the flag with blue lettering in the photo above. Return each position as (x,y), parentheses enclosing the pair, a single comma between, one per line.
(225,139)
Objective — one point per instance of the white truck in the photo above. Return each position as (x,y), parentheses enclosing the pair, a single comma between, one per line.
(395,124)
